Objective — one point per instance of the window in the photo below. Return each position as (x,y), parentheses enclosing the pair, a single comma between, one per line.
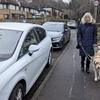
(54,27)
(6,16)
(26,10)
(4,6)
(17,7)
(1,6)
(41,33)
(32,11)
(30,39)
(22,9)
(8,43)
(12,7)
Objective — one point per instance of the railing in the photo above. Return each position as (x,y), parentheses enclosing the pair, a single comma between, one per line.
(37,20)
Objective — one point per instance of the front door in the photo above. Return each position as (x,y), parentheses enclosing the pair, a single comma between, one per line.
(30,64)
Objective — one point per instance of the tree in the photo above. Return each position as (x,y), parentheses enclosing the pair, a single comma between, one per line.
(80,7)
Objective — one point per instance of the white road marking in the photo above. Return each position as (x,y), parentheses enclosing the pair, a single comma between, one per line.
(84,82)
(73,75)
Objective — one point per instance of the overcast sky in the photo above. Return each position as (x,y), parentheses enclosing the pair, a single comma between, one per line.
(67,1)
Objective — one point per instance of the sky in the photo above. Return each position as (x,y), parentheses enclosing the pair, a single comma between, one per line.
(67,1)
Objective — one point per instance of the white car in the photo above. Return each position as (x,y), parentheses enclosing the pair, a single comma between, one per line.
(25,50)
(72,24)
(59,33)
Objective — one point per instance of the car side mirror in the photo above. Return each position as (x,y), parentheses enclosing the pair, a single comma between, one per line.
(32,49)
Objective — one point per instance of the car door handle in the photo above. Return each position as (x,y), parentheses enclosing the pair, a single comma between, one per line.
(36,50)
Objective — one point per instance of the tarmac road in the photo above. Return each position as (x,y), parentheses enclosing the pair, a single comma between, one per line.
(67,82)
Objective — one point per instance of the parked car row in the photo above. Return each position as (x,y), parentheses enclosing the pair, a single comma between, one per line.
(25,50)
(59,33)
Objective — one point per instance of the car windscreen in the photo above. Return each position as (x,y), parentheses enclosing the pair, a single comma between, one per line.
(8,42)
(54,27)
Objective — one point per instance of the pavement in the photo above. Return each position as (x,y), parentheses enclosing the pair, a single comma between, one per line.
(66,81)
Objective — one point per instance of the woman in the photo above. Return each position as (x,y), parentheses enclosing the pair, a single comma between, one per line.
(86,38)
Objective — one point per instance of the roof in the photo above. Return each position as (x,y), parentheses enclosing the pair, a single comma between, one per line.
(23,3)
(53,8)
(18,26)
(8,2)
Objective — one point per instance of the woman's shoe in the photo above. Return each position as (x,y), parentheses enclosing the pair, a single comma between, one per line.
(82,69)
(87,71)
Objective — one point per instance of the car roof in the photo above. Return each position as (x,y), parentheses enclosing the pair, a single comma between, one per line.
(53,23)
(17,26)
(71,21)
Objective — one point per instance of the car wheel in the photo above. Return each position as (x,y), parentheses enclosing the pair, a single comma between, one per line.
(17,93)
(49,63)
(62,43)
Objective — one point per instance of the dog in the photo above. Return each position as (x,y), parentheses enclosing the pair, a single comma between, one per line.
(96,64)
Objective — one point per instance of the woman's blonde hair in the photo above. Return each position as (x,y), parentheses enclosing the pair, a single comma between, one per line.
(92,20)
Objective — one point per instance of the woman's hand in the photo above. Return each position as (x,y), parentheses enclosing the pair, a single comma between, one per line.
(80,43)
(94,45)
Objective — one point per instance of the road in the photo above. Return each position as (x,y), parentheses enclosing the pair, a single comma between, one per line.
(67,82)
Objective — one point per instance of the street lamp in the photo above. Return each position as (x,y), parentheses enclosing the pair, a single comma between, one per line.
(96,3)
(91,2)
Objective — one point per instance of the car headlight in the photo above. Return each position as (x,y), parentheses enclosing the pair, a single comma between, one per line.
(56,39)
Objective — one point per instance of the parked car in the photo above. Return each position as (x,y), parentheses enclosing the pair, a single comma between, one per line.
(72,24)
(25,50)
(59,33)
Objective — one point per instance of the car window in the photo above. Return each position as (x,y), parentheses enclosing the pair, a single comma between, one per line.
(41,33)
(30,39)
(54,27)
(9,40)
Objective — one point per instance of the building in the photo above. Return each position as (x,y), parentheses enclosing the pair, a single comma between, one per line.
(11,10)
(54,12)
